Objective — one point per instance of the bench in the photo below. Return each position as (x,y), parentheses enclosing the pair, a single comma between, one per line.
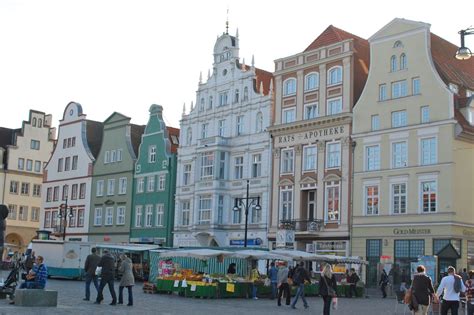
(36,297)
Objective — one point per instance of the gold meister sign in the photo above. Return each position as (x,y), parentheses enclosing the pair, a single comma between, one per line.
(312,135)
(411,231)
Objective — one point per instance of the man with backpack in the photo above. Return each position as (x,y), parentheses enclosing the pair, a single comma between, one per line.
(450,286)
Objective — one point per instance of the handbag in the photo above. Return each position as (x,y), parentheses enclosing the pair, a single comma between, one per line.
(330,289)
(290,282)
(408,296)
(334,303)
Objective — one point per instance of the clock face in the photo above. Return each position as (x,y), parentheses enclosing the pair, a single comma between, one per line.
(71,112)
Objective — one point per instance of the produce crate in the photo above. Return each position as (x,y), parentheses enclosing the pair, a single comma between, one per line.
(149,288)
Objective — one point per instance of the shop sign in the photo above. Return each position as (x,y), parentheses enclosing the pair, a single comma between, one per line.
(411,231)
(339,245)
(467,233)
(250,242)
(312,135)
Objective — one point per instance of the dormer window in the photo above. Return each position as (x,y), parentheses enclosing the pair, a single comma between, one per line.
(289,86)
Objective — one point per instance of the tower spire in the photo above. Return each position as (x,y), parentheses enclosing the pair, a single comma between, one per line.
(227,23)
(184,108)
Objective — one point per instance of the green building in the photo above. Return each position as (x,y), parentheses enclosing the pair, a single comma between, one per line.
(155,182)
(112,183)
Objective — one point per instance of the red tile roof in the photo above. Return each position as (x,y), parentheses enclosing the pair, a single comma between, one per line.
(261,76)
(332,35)
(173,132)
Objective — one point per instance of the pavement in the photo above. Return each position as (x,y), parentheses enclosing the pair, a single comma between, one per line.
(71,293)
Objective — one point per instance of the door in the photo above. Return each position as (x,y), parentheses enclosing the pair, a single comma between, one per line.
(311,205)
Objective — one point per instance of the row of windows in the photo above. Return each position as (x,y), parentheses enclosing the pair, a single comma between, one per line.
(399,118)
(398,63)
(427,200)
(223,99)
(52,219)
(21,213)
(399,89)
(310,158)
(113,156)
(52,193)
(24,189)
(149,215)
(29,165)
(207,167)
(122,189)
(311,81)
(69,142)
(64,164)
(106,216)
(40,122)
(333,107)
(428,154)
(150,183)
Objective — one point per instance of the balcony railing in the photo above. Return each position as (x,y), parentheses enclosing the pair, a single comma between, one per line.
(314,225)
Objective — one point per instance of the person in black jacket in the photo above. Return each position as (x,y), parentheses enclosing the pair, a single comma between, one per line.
(423,290)
(383,283)
(327,288)
(89,267)
(300,275)
(107,262)
(354,278)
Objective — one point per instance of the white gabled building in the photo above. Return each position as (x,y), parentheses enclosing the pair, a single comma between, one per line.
(224,143)
(68,175)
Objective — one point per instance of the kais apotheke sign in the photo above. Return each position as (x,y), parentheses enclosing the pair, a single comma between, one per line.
(312,135)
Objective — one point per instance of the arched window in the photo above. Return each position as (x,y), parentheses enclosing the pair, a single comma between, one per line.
(393,64)
(40,123)
(236,96)
(209,106)
(246,93)
(189,136)
(335,75)
(311,81)
(397,44)
(202,104)
(403,61)
(289,86)
(34,122)
(259,122)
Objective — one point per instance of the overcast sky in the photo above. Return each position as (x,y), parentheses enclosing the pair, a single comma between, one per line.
(125,55)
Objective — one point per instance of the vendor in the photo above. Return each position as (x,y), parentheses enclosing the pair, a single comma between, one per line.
(231,270)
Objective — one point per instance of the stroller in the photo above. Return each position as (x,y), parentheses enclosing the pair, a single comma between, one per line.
(9,286)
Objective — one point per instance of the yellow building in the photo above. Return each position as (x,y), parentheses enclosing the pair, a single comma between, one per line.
(414,156)
(24,153)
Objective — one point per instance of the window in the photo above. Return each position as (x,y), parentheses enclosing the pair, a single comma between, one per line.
(246,94)
(119,155)
(223,96)
(399,154)
(99,188)
(240,125)
(35,214)
(69,142)
(202,104)
(35,145)
(110,187)
(311,111)
(236,96)
(40,123)
(189,136)
(239,167)
(82,192)
(204,130)
(80,217)
(140,184)
(428,151)
(25,189)
(428,196)
(372,157)
(408,251)
(256,165)
(12,212)
(37,166)
(185,211)
(109,216)
(160,212)
(311,81)
(150,183)
(34,122)
(333,154)
(399,89)
(72,218)
(310,158)
(113,156)
(416,86)
(120,215)
(65,192)
(36,190)
(403,61)
(148,215)
(56,193)
(289,87)
(399,119)
(286,202)
(221,128)
(256,214)
(205,209)
(54,219)
(152,154)
(222,165)
(259,122)
(13,187)
(67,164)
(220,209)
(382,92)
(122,185)
(289,115)
(209,105)
(21,163)
(372,200)
(138,216)
(29,165)
(334,106)
(332,201)
(161,182)
(375,122)
(107,157)
(23,213)
(207,165)
(286,161)
(74,192)
(237,214)
(97,216)
(49,193)
(186,174)
(393,64)
(399,198)
(425,114)
(47,219)
(60,165)
(335,75)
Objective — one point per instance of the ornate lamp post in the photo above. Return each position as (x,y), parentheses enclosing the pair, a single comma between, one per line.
(64,216)
(247,202)
(463,52)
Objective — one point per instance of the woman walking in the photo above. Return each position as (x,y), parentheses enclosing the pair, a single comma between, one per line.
(423,290)
(128,280)
(327,288)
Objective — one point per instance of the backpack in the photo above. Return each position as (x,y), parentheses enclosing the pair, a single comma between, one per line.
(457,283)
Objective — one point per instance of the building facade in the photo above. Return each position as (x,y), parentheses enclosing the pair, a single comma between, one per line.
(25,152)
(315,91)
(112,183)
(225,144)
(413,171)
(67,179)
(155,182)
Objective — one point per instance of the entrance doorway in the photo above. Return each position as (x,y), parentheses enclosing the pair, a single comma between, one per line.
(447,257)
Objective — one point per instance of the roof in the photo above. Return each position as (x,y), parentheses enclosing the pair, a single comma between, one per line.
(7,136)
(95,132)
(261,76)
(128,247)
(173,134)
(332,35)
(136,136)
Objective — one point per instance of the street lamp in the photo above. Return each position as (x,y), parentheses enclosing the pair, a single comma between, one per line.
(463,52)
(247,202)
(63,216)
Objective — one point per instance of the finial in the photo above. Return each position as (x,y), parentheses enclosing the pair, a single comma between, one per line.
(192,105)
(237,33)
(227,23)
(261,87)
(253,61)
(184,108)
(208,74)
(200,77)
(271,86)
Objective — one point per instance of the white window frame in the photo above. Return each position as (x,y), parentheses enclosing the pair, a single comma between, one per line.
(289,86)
(311,110)
(97,216)
(383,92)
(185,213)
(421,181)
(403,61)
(138,216)
(205,213)
(207,165)
(99,188)
(223,98)
(287,161)
(221,128)
(332,109)
(393,63)
(286,202)
(307,86)
(431,160)
(374,198)
(109,216)
(399,119)
(289,115)
(425,114)
(122,185)
(372,159)
(152,154)
(110,186)
(334,75)
(107,157)
(375,122)
(160,215)
(256,165)
(204,130)
(399,196)
(416,86)
(399,89)
(310,162)
(120,215)
(140,185)
(148,215)
(187,174)
(399,159)
(119,155)
(327,187)
(238,167)
(150,183)
(240,125)
(333,156)
(161,182)
(113,156)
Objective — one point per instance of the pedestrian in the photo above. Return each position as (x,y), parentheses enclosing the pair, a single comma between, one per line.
(470,293)
(128,280)
(423,291)
(107,262)
(90,267)
(450,286)
(231,270)
(282,283)
(383,283)
(354,278)
(254,278)
(464,275)
(273,275)
(327,288)
(300,275)
(37,277)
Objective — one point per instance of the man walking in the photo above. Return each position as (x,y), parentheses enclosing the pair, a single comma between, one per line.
(354,278)
(383,283)
(422,290)
(90,266)
(450,286)
(273,275)
(282,283)
(107,262)
(300,275)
